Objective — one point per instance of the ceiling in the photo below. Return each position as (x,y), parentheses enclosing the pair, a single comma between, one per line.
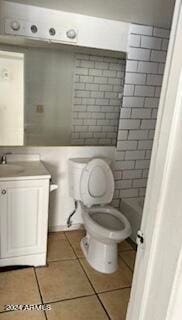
(149,12)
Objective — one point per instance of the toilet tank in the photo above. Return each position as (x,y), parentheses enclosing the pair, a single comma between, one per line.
(75,167)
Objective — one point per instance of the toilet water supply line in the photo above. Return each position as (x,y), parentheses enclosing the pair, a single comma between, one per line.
(69,221)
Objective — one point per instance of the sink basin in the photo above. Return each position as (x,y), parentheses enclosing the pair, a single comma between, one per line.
(7,170)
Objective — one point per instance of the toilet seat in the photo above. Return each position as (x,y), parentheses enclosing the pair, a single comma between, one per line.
(96,190)
(106,223)
(97,183)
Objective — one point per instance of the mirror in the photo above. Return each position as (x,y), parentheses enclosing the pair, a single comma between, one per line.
(65,96)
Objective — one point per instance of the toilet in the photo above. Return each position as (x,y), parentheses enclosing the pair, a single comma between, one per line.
(91,183)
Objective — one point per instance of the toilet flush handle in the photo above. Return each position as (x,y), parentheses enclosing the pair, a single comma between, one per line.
(53,187)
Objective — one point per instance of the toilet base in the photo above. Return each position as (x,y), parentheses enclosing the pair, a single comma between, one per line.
(101,256)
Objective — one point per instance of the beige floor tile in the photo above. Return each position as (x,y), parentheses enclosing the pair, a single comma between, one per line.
(60,235)
(75,237)
(104,282)
(23,315)
(129,258)
(124,246)
(87,308)
(63,280)
(59,247)
(18,287)
(116,303)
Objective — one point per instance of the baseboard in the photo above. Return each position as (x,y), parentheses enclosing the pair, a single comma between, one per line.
(35,260)
(75,226)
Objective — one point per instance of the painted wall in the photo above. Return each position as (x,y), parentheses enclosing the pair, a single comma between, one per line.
(92,32)
(56,161)
(11,98)
(155,12)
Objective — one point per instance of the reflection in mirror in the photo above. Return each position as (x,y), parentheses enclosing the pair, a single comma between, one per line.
(11,98)
(71,97)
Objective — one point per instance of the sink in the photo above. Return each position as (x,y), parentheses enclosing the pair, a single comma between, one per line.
(7,170)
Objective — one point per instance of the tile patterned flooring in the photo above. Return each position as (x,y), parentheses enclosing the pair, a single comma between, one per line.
(68,284)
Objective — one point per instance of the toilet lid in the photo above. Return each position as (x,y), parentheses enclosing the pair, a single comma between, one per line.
(97,183)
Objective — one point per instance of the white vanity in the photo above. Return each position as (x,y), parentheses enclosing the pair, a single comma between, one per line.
(24,199)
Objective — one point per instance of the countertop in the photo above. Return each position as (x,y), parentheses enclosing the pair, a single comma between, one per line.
(30,170)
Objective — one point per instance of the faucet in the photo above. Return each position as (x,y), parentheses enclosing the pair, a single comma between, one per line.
(4,158)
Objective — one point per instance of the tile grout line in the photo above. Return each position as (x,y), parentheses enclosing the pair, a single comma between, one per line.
(116,289)
(81,265)
(71,246)
(132,270)
(86,296)
(127,264)
(78,258)
(69,299)
(40,291)
(58,260)
(94,291)
(97,294)
(90,281)
(103,307)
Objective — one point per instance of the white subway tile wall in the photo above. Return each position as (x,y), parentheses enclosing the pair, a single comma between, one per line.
(108,88)
(97,100)
(144,72)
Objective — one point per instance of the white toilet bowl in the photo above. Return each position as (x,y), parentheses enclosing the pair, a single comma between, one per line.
(105,227)
(92,184)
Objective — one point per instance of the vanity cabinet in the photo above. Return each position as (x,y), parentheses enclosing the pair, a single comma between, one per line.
(23,222)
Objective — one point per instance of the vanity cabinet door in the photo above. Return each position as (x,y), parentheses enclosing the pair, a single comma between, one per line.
(23,217)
